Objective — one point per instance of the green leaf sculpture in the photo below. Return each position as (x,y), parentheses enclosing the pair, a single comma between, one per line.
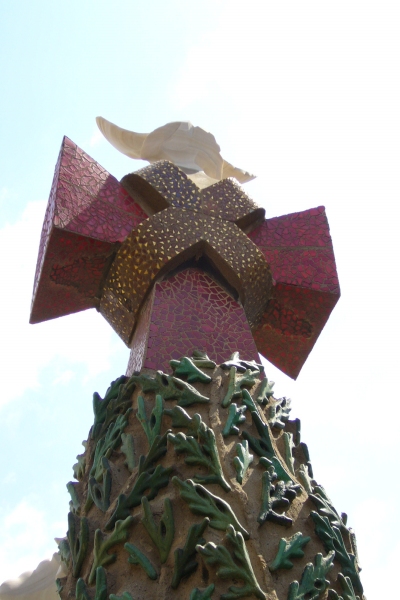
(238,567)
(203,502)
(204,454)
(185,563)
(170,388)
(237,383)
(124,596)
(332,540)
(78,541)
(325,507)
(152,425)
(347,587)
(263,445)
(235,417)
(289,445)
(243,460)
(80,467)
(108,443)
(275,494)
(136,557)
(75,503)
(248,401)
(101,558)
(128,448)
(157,450)
(313,581)
(152,481)
(180,418)
(278,413)
(265,391)
(162,534)
(100,492)
(101,405)
(289,548)
(306,480)
(188,368)
(81,592)
(242,365)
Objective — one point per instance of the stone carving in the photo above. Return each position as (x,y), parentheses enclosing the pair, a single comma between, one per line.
(289,548)
(313,581)
(191,148)
(198,540)
(228,567)
(109,245)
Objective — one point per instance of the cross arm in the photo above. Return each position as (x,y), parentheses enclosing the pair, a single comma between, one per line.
(298,248)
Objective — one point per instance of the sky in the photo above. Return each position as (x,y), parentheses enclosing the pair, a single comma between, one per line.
(305,95)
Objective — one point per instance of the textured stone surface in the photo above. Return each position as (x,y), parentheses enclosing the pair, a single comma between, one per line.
(179,142)
(271,526)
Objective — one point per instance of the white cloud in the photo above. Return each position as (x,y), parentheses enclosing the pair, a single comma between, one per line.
(97,137)
(64,377)
(11,477)
(25,540)
(26,349)
(4,193)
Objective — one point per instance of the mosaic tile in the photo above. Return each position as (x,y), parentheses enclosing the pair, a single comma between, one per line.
(299,249)
(87,214)
(189,311)
(111,246)
(170,238)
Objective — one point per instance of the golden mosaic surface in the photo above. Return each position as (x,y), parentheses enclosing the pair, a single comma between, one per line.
(178,233)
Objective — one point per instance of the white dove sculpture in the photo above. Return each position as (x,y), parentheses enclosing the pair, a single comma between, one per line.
(191,148)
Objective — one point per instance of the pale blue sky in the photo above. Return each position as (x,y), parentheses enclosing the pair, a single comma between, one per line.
(306,96)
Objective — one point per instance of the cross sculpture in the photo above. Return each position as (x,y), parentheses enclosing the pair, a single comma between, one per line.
(112,246)
(196,282)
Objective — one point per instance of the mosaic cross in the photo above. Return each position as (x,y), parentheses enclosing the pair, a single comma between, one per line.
(174,268)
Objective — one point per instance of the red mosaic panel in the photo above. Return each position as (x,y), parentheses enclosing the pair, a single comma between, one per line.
(140,337)
(90,201)
(70,275)
(192,311)
(291,326)
(298,248)
(95,212)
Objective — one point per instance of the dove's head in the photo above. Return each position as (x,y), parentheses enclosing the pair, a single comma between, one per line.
(190,148)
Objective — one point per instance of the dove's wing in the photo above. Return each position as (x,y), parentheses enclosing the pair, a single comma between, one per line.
(229,170)
(127,142)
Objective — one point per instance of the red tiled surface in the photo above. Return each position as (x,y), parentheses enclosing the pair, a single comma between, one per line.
(87,214)
(299,249)
(191,311)
(71,275)
(140,337)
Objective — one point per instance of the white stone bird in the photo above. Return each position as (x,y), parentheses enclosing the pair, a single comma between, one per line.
(191,148)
